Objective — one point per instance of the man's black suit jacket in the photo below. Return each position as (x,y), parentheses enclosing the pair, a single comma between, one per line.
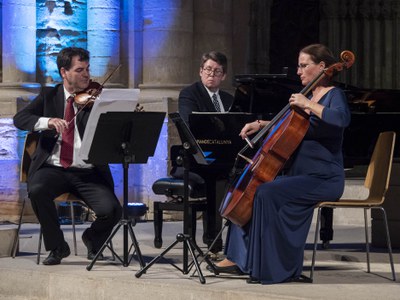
(196,98)
(50,103)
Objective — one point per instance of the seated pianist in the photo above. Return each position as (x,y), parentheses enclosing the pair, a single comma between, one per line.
(205,95)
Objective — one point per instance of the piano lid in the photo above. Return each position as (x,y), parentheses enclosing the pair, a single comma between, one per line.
(264,94)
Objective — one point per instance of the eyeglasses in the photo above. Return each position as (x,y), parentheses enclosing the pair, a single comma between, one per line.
(303,66)
(216,72)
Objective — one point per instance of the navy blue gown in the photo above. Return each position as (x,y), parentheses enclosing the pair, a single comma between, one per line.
(271,246)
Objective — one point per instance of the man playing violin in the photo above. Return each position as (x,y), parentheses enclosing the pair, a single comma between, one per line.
(270,247)
(56,167)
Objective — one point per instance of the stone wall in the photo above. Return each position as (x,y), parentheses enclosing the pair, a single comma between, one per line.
(159,44)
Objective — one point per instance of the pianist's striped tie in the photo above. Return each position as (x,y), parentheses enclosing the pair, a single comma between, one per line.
(215,102)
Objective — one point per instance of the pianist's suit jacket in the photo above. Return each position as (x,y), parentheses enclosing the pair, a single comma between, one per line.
(50,103)
(196,98)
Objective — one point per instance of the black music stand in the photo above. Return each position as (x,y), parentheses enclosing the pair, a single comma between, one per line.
(126,138)
(191,148)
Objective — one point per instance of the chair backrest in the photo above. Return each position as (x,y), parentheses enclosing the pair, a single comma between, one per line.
(380,166)
(31,141)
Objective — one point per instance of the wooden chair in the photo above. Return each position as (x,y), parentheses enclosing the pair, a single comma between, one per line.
(30,145)
(377,182)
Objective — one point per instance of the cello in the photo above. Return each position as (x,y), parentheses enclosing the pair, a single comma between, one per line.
(282,137)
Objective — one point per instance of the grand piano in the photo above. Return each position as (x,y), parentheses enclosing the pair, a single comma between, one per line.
(372,110)
(264,95)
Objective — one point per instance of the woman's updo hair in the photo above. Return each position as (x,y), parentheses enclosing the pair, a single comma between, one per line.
(318,53)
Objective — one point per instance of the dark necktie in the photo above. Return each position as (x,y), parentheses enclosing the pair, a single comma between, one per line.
(67,143)
(215,102)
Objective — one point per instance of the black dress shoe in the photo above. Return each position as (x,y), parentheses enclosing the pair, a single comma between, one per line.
(89,245)
(302,278)
(228,269)
(57,255)
(252,280)
(325,245)
(91,255)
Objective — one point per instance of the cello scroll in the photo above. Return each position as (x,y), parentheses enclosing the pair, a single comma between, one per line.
(347,59)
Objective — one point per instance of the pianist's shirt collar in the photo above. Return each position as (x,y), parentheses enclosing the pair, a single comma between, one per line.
(211,93)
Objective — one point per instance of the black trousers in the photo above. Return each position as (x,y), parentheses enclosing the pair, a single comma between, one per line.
(212,220)
(87,184)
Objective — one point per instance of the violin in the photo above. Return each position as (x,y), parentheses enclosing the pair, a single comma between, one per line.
(87,97)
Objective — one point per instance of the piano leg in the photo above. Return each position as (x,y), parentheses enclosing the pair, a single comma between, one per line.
(158,224)
(212,220)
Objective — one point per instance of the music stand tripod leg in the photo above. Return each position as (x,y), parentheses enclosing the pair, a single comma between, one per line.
(89,267)
(136,246)
(191,246)
(156,259)
(125,222)
(185,238)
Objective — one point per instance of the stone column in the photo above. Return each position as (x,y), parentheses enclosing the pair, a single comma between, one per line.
(212,31)
(167,57)
(375,45)
(259,22)
(387,75)
(18,70)
(19,40)
(103,38)
(167,47)
(241,31)
(329,28)
(59,24)
(395,6)
(354,44)
(364,27)
(132,47)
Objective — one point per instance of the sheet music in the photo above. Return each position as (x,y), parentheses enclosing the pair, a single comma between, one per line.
(117,100)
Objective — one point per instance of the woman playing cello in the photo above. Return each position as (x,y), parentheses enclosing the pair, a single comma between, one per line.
(270,247)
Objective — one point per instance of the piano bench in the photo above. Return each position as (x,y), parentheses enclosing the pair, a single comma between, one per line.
(174,188)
